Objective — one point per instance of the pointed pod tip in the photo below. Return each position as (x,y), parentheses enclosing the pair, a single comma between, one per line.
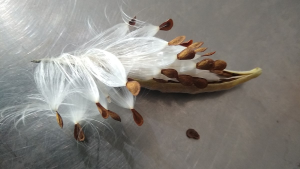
(59,120)
(134,87)
(138,119)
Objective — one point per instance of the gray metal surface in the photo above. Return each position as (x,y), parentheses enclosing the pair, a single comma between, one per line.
(255,125)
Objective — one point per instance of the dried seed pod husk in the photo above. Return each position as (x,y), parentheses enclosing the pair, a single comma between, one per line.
(209,54)
(187,44)
(137,117)
(191,133)
(170,73)
(220,65)
(242,77)
(200,82)
(102,110)
(185,80)
(160,80)
(78,133)
(196,45)
(132,21)
(186,54)
(134,87)
(114,115)
(200,50)
(59,120)
(166,25)
(177,41)
(205,64)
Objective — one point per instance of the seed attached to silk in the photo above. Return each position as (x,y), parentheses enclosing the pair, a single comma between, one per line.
(187,44)
(177,41)
(134,87)
(200,50)
(166,25)
(102,110)
(78,132)
(114,115)
(170,73)
(138,119)
(59,120)
(132,21)
(186,54)
(196,45)
(200,82)
(209,54)
(220,65)
(205,64)
(185,80)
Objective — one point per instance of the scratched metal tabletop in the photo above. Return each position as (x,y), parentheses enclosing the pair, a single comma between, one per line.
(255,125)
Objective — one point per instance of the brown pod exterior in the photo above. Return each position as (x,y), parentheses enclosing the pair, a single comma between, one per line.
(176,41)
(114,115)
(138,119)
(102,110)
(185,80)
(187,44)
(200,82)
(166,25)
(205,64)
(59,120)
(78,132)
(134,87)
(170,73)
(186,54)
(220,65)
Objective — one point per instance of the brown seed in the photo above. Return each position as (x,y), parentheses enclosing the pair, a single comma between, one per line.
(78,132)
(114,115)
(191,133)
(166,25)
(160,80)
(209,54)
(176,41)
(220,65)
(185,80)
(170,73)
(196,45)
(137,117)
(205,64)
(227,74)
(134,87)
(218,72)
(186,44)
(200,82)
(186,54)
(102,111)
(59,120)
(200,50)
(132,21)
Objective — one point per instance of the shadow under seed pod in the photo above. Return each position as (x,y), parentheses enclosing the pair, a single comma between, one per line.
(186,44)
(102,110)
(114,115)
(78,133)
(160,80)
(200,82)
(177,41)
(170,73)
(185,80)
(205,64)
(59,120)
(196,45)
(138,119)
(166,25)
(134,87)
(191,133)
(186,54)
(132,21)
(220,65)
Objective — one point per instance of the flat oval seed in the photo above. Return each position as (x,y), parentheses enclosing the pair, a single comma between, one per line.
(200,82)
(102,110)
(186,44)
(220,65)
(200,50)
(191,133)
(209,54)
(114,115)
(166,25)
(160,80)
(186,54)
(134,87)
(205,64)
(177,41)
(170,73)
(218,72)
(137,117)
(185,80)
(59,120)
(196,45)
(78,132)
